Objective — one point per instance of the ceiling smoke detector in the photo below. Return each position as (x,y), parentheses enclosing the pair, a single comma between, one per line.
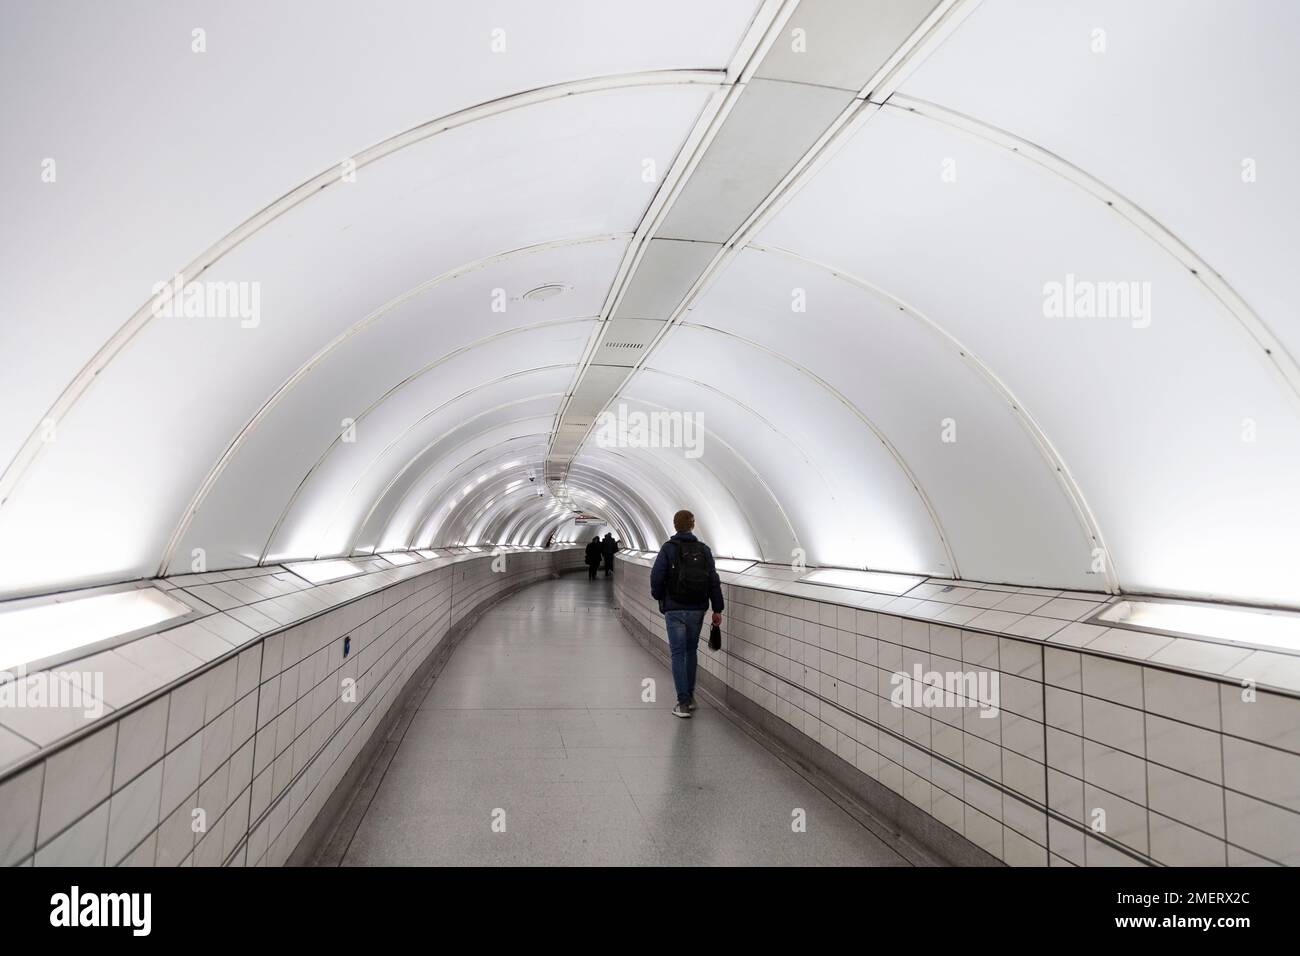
(544,292)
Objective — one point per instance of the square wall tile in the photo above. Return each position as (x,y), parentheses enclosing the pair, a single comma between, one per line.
(141,739)
(1065,752)
(1021,658)
(1189,800)
(1123,820)
(1062,668)
(20,805)
(1182,747)
(133,813)
(1262,717)
(185,710)
(1263,828)
(76,779)
(1176,844)
(1263,772)
(1114,770)
(82,844)
(1065,796)
(1114,725)
(1064,710)
(1189,699)
(1112,680)
(1018,850)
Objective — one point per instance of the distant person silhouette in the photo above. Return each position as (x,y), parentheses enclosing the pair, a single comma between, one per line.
(608,548)
(593,557)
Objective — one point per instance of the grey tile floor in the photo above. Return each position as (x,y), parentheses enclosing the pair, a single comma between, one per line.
(538,720)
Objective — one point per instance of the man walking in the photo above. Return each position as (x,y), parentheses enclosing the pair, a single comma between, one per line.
(685,582)
(608,548)
(592,557)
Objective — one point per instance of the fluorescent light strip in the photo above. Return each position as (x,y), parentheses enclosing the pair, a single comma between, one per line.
(1234,625)
(400,558)
(880,582)
(735,565)
(329,569)
(42,631)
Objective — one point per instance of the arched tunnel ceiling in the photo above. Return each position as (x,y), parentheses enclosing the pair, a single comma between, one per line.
(831,234)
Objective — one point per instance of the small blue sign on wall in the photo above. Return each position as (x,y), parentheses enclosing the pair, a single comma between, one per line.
(347,646)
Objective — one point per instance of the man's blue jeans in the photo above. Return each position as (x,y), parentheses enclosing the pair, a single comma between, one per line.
(684,641)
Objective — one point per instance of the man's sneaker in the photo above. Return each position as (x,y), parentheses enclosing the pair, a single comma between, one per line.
(681,710)
(690,703)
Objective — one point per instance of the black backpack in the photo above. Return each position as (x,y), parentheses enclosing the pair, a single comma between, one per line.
(689,574)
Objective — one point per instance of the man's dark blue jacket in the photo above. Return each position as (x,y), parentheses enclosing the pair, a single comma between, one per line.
(659,579)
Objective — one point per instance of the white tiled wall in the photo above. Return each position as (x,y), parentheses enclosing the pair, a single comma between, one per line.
(1185,771)
(231,761)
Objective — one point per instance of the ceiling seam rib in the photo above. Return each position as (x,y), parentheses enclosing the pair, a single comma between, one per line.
(522,530)
(768,21)
(429,516)
(442,359)
(751,411)
(591,473)
(427,416)
(214,474)
(81,382)
(619,497)
(532,527)
(1055,461)
(522,522)
(462,524)
(794,535)
(613,489)
(638,513)
(690,481)
(333,444)
(398,474)
(931,31)
(424,513)
(1279,359)
(644,516)
(589,459)
(459,465)
(624,521)
(871,426)
(543,526)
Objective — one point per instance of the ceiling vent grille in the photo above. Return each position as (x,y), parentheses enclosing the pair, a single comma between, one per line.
(544,292)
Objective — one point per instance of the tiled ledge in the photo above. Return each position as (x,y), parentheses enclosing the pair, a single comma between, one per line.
(231,610)
(1185,768)
(255,741)
(1042,615)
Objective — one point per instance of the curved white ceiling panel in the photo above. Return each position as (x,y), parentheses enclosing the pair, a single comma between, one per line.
(506,508)
(663,489)
(437,494)
(327,510)
(502,508)
(1174,104)
(569,168)
(734,505)
(858,353)
(518,444)
(464,312)
(848,501)
(1000,290)
(1184,445)
(503,423)
(184,145)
